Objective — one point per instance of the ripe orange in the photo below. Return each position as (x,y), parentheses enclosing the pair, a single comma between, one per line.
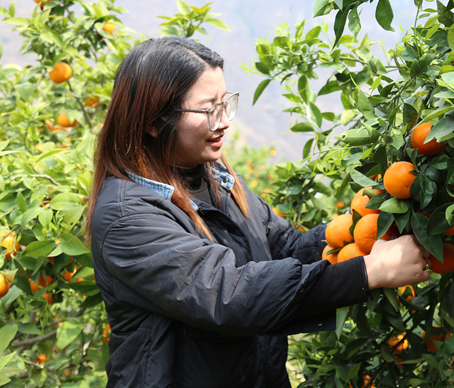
(365,233)
(4,285)
(407,292)
(418,137)
(337,232)
(332,257)
(92,101)
(69,275)
(278,212)
(61,72)
(63,120)
(394,340)
(109,27)
(359,203)
(448,260)
(398,179)
(349,251)
(436,337)
(10,243)
(106,333)
(40,359)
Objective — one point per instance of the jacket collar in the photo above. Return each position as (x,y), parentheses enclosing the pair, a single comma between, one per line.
(219,172)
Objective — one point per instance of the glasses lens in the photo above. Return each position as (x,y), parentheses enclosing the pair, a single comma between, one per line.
(215,113)
(232,104)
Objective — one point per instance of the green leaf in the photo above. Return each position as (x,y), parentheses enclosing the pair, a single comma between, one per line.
(451,37)
(322,7)
(433,244)
(438,223)
(38,249)
(72,216)
(359,136)
(302,127)
(442,128)
(365,106)
(65,201)
(7,334)
(21,279)
(392,297)
(68,331)
(384,222)
(394,205)
(303,88)
(339,23)
(354,23)
(260,89)
(72,246)
(314,115)
(361,179)
(183,7)
(384,14)
(218,24)
(307,148)
(341,316)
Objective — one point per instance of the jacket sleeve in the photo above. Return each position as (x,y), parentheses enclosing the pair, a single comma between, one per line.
(195,281)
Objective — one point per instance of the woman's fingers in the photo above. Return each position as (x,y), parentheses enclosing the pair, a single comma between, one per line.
(397,262)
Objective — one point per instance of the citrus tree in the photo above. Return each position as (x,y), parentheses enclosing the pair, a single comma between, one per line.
(54,329)
(389,154)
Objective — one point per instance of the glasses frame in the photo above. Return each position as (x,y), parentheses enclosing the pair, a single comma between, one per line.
(209,110)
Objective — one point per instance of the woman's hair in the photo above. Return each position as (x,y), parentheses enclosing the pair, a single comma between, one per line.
(150,85)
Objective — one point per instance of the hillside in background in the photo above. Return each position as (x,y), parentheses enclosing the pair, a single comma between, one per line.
(261,124)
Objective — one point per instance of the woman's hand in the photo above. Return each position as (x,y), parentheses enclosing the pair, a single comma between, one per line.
(397,263)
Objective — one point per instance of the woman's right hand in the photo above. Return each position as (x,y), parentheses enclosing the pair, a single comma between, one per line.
(396,263)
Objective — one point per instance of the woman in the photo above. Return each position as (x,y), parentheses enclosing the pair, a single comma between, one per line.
(202,282)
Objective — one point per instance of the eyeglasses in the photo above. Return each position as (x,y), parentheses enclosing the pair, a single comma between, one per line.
(214,113)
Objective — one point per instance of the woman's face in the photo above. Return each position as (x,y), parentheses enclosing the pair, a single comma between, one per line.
(195,143)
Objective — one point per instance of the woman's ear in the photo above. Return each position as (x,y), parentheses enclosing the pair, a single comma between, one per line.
(153,131)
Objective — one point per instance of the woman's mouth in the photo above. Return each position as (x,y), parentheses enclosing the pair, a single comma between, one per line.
(217,141)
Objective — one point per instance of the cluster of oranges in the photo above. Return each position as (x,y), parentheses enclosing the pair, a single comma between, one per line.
(346,239)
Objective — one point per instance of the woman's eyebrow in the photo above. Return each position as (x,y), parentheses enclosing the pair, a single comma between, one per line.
(211,99)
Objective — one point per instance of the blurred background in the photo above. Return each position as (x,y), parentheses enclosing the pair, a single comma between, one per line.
(263,123)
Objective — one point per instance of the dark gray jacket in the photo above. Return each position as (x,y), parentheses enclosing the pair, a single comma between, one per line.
(189,312)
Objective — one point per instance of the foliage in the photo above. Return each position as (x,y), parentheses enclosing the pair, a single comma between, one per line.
(381,105)
(253,164)
(54,329)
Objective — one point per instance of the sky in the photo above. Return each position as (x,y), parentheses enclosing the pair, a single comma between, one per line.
(263,123)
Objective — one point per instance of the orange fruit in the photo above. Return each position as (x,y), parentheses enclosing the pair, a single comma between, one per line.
(109,27)
(69,275)
(4,285)
(360,201)
(63,120)
(332,257)
(278,212)
(398,179)
(418,138)
(10,243)
(61,72)
(349,251)
(41,283)
(337,232)
(436,337)
(448,260)
(407,292)
(106,333)
(92,101)
(365,232)
(368,382)
(394,340)
(41,358)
